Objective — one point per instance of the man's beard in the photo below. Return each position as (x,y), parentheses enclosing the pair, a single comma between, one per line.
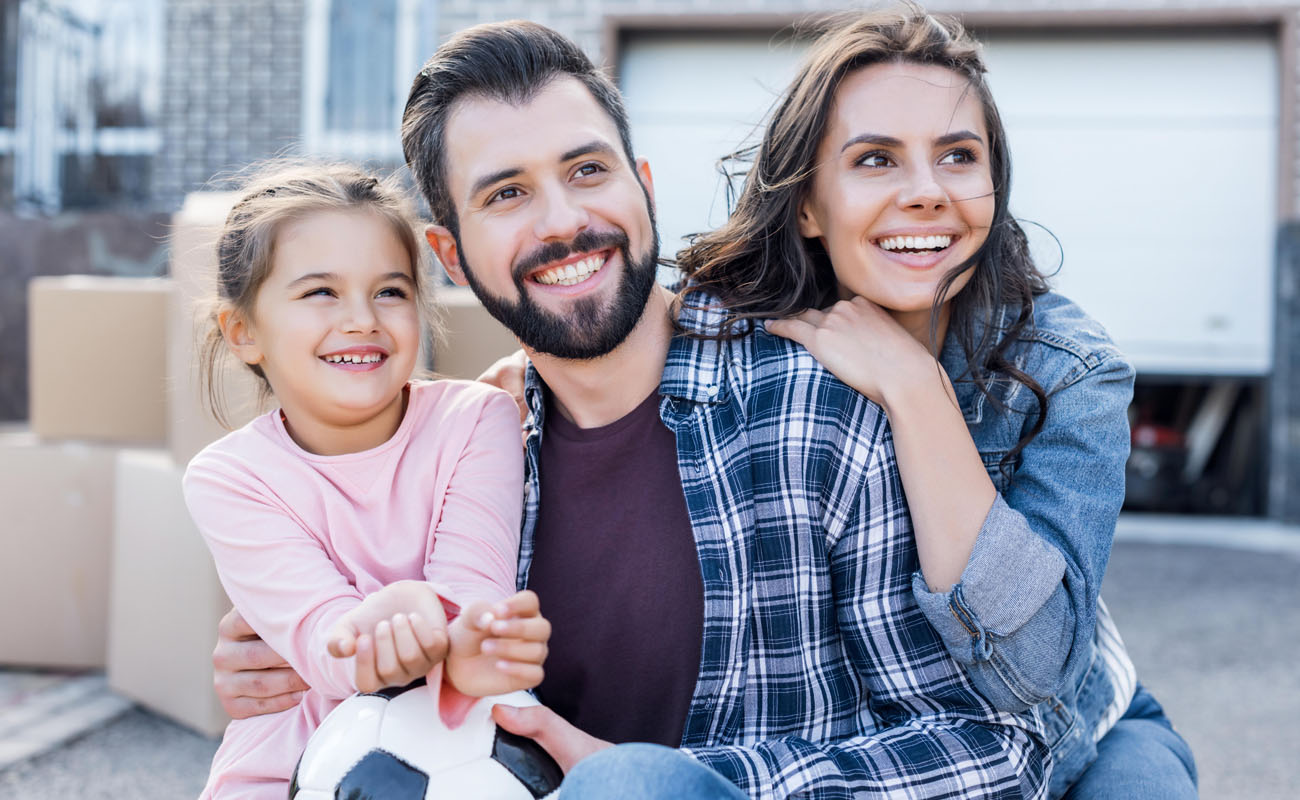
(588,330)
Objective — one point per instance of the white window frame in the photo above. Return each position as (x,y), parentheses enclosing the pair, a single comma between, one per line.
(355,145)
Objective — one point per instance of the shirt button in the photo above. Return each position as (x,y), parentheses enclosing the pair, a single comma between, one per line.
(711,390)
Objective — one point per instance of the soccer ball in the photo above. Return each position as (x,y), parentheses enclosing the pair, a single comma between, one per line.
(392,745)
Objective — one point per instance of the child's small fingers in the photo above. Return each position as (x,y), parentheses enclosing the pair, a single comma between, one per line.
(521,604)
(524,675)
(537,629)
(516,650)
(432,639)
(367,678)
(407,648)
(385,651)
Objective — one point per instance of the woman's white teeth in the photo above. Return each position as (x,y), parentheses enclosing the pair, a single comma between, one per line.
(354,358)
(570,274)
(916,242)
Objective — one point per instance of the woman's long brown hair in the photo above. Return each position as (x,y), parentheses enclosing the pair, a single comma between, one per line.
(757,265)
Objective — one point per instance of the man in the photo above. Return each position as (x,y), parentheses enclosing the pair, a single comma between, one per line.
(720,541)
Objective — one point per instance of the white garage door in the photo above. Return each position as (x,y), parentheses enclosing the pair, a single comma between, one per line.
(1152,158)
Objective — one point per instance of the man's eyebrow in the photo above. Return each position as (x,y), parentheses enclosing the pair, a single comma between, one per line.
(495,177)
(595,146)
(890,141)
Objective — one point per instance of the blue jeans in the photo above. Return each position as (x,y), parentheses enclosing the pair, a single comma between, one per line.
(645,772)
(1141,756)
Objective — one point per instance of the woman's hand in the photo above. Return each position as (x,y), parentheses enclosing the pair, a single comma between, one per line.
(498,647)
(861,345)
(508,373)
(398,634)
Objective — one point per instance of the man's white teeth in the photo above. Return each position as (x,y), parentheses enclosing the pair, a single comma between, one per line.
(916,242)
(570,274)
(354,358)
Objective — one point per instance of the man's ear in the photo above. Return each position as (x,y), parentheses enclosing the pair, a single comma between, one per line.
(240,336)
(647,180)
(809,227)
(444,247)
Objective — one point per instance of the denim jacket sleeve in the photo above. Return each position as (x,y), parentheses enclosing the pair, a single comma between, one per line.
(1025,606)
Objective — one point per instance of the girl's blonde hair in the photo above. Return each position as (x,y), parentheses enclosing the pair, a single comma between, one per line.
(275,193)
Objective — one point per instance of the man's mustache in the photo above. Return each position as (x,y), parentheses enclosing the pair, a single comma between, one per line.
(584,242)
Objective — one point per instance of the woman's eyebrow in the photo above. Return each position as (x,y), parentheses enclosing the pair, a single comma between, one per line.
(872,138)
(958,136)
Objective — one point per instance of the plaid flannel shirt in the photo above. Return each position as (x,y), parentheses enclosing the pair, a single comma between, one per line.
(819,676)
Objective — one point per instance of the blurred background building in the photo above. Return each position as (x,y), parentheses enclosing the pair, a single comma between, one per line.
(1155,146)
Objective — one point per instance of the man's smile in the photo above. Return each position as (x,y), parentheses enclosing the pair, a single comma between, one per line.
(571,271)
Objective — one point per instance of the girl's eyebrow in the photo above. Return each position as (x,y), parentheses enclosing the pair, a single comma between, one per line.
(312,276)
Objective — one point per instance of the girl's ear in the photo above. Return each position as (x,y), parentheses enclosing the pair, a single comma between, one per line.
(240,336)
(444,247)
(809,228)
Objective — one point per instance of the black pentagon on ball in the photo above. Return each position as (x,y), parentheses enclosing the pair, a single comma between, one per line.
(382,776)
(392,692)
(528,762)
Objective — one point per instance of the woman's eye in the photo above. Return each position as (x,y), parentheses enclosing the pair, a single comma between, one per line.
(960,156)
(875,160)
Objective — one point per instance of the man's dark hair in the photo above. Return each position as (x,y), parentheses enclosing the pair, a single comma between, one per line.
(506,61)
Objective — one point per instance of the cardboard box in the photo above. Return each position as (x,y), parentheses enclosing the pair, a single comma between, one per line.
(166,600)
(190,423)
(98,358)
(472,338)
(58,502)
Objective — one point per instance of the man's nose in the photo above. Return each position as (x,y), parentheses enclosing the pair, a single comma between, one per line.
(560,215)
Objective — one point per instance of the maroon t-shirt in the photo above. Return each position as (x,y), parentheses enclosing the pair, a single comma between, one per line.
(615,568)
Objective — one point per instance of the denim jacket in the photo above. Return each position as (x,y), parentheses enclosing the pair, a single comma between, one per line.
(1024,618)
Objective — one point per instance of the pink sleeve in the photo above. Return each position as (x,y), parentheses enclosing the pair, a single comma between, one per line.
(476,541)
(275,572)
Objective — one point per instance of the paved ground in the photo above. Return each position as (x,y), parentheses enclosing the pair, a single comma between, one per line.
(1211,629)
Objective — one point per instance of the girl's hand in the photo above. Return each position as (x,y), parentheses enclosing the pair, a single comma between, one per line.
(498,647)
(860,344)
(397,634)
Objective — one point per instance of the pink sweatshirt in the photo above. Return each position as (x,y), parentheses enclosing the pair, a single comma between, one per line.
(299,539)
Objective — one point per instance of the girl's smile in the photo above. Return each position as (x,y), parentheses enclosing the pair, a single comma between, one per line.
(336,329)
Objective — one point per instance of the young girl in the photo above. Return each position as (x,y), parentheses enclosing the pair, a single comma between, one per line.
(350,524)
(875,222)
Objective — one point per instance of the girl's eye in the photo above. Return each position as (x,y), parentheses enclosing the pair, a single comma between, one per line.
(875,159)
(392,291)
(959,156)
(320,291)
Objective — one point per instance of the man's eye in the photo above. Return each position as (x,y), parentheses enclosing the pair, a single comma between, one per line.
(508,193)
(587,170)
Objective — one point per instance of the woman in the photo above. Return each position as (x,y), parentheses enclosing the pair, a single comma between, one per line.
(874,223)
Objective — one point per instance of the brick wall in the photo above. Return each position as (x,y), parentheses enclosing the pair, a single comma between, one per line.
(232,89)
